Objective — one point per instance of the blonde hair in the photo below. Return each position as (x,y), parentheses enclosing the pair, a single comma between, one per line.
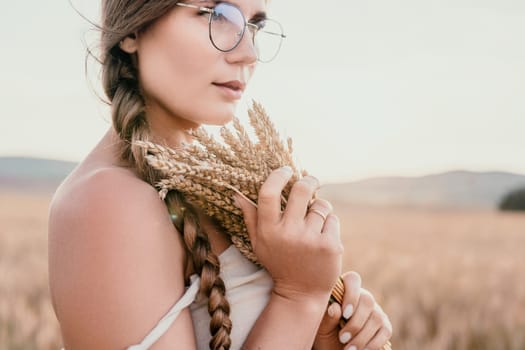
(121,85)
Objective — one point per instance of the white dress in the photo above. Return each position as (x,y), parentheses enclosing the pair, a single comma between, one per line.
(248,290)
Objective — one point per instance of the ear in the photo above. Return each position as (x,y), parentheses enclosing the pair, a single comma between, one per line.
(129,44)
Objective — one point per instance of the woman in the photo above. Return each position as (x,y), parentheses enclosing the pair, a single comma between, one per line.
(118,264)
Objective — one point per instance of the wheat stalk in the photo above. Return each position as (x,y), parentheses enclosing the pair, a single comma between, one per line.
(208,172)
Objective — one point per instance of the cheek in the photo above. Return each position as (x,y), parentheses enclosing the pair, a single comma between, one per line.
(175,63)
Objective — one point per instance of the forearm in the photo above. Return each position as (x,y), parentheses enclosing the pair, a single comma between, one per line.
(286,324)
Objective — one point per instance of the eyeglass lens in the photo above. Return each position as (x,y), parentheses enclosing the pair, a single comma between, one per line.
(227,27)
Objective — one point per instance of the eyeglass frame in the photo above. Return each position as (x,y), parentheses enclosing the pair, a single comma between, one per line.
(210,11)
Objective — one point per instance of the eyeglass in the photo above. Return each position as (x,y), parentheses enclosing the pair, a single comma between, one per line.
(227,25)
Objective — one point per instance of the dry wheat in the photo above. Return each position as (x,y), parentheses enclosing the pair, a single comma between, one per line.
(209,173)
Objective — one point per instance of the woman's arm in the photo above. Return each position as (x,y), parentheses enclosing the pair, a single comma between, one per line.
(286,324)
(302,252)
(116,264)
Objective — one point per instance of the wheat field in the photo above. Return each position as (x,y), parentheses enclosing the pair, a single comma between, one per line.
(447,279)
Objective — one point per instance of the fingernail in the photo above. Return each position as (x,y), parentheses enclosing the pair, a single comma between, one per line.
(349,310)
(352,348)
(345,337)
(331,310)
(286,169)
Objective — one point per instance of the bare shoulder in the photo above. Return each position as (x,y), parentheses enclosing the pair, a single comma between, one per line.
(116,263)
(103,188)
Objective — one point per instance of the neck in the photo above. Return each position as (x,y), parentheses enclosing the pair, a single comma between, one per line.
(168,129)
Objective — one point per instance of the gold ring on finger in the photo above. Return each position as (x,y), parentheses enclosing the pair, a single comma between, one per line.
(318,212)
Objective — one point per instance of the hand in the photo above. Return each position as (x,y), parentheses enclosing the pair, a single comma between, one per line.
(301,251)
(368,327)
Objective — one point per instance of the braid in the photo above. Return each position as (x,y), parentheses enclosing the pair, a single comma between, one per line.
(207,265)
(129,120)
(128,116)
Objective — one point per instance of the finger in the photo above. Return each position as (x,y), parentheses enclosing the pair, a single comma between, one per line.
(379,339)
(352,284)
(365,335)
(300,195)
(362,312)
(330,323)
(331,232)
(269,197)
(250,216)
(317,214)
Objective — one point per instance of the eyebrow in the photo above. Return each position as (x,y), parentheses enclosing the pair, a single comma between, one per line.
(258,16)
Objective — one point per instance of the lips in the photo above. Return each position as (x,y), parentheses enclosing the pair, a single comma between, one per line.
(233,84)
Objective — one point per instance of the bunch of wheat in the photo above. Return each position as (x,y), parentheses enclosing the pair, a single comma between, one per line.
(209,172)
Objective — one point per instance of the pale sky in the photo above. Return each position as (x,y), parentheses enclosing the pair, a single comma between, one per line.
(364,88)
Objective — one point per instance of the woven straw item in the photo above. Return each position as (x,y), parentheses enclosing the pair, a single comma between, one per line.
(208,173)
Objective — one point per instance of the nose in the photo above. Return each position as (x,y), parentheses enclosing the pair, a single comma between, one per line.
(244,52)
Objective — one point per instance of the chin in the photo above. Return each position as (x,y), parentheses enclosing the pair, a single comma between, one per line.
(219,119)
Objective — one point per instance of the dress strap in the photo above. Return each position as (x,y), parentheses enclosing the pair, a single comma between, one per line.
(165,322)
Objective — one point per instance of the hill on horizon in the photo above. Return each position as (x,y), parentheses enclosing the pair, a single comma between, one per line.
(453,189)
(28,174)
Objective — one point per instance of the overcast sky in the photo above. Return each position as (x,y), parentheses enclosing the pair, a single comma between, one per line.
(364,88)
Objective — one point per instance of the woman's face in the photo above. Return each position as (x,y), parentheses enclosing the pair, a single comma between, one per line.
(178,68)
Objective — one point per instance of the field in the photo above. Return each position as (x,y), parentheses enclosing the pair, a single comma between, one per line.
(447,279)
